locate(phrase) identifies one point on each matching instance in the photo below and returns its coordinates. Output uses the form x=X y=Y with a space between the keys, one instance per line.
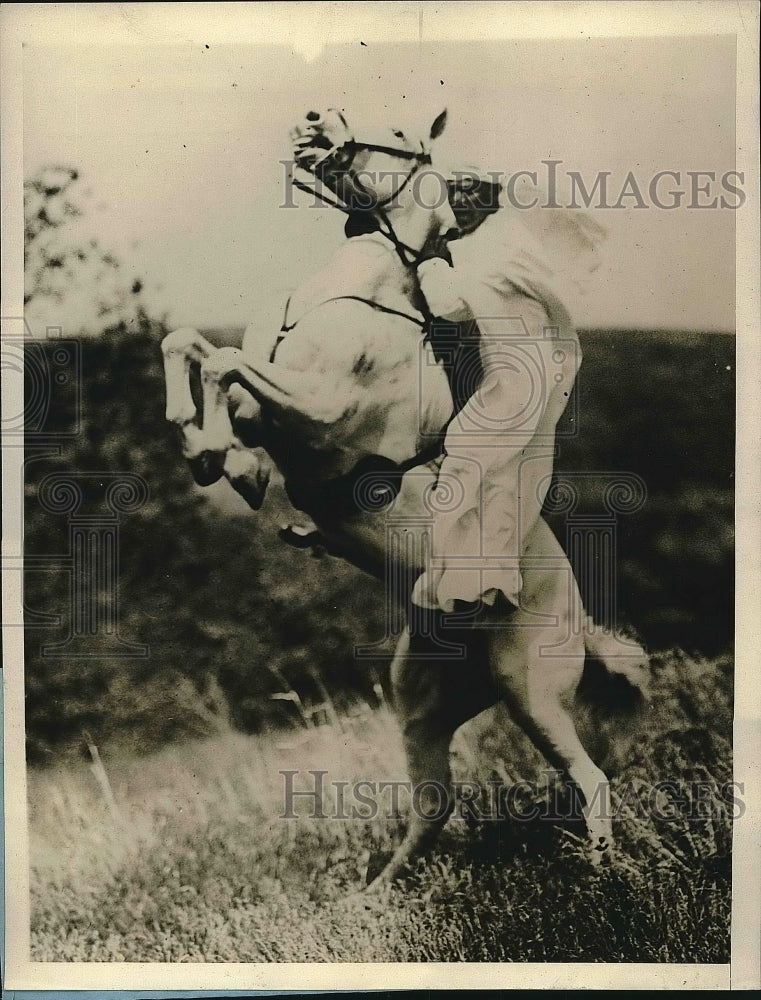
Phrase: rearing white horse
x=352 y=400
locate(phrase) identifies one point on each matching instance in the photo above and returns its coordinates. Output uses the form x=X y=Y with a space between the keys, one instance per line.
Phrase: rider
x=513 y=276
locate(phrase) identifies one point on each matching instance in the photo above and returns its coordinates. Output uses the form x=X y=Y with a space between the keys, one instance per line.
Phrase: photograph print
x=376 y=464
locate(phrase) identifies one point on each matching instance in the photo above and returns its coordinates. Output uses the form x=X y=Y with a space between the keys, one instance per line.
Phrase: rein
x=408 y=255
x=375 y=481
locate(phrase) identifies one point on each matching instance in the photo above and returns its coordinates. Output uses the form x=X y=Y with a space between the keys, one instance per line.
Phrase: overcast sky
x=180 y=145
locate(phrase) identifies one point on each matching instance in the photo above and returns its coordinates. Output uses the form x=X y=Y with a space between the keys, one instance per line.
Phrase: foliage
x=70 y=279
x=661 y=405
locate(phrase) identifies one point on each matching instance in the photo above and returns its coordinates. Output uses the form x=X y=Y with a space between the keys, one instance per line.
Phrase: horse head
x=371 y=170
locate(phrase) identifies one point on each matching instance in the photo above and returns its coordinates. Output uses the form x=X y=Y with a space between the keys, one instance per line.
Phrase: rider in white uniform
x=514 y=275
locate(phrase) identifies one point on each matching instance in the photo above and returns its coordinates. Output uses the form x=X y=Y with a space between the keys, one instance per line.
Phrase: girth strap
x=286 y=327
x=370 y=487
x=375 y=480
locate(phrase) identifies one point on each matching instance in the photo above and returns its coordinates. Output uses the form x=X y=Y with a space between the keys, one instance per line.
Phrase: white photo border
x=165 y=23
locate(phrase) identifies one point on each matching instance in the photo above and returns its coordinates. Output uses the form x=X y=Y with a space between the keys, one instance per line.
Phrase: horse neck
x=370 y=267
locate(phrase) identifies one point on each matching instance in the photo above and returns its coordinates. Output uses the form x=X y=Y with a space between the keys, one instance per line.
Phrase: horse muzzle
x=319 y=137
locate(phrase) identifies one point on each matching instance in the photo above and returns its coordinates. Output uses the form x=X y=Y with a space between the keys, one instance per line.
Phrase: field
x=184 y=855
x=156 y=784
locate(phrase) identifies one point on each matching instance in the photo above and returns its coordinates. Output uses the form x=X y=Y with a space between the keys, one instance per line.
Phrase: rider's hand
x=438 y=283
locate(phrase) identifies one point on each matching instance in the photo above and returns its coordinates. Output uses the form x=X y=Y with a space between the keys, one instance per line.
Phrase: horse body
x=374 y=362
x=352 y=384
x=388 y=397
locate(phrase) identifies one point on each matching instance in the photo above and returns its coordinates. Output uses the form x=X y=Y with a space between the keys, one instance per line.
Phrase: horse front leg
x=224 y=410
x=248 y=474
x=181 y=349
x=312 y=402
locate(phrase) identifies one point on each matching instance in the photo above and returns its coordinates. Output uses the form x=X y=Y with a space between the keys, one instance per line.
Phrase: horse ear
x=439 y=125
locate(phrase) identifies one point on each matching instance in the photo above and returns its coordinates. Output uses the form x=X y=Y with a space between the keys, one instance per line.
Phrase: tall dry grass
x=192 y=862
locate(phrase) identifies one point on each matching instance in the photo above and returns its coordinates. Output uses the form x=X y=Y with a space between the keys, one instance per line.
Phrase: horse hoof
x=206 y=468
x=601 y=852
x=252 y=493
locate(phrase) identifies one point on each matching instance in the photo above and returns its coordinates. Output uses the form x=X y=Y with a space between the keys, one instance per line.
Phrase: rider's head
x=473 y=196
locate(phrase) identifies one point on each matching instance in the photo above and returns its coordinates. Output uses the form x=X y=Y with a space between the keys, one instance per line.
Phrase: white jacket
x=501 y=445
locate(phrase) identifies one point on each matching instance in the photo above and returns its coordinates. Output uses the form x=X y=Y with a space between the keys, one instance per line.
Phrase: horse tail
x=612 y=696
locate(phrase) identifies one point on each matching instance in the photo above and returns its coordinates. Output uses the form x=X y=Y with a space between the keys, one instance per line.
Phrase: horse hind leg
x=431 y=701
x=611 y=698
x=536 y=690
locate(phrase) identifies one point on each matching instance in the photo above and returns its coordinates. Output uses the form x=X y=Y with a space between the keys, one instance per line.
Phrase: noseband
x=355 y=146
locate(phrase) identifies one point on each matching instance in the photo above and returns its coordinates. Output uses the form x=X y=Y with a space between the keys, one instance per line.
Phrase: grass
x=194 y=865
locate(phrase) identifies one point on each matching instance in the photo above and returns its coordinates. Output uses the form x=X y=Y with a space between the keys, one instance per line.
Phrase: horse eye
x=398 y=134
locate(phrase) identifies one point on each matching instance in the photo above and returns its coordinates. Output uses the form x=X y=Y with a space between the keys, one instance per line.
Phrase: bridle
x=340 y=159
x=355 y=146
x=376 y=480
